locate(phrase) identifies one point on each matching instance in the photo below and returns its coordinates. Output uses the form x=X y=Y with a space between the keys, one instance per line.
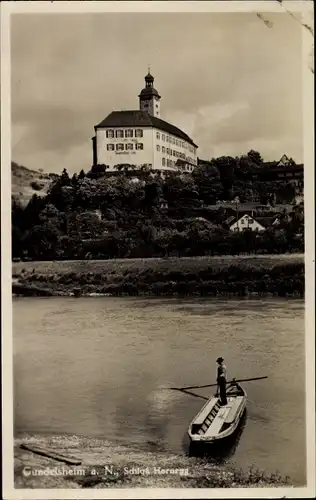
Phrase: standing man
x=221 y=380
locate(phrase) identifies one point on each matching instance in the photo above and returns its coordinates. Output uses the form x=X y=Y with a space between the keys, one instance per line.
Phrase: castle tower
x=149 y=99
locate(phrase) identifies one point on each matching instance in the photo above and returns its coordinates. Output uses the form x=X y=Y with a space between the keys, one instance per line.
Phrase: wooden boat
x=215 y=422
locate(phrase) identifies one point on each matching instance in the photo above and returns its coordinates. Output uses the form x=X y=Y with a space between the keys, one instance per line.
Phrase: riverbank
x=111 y=465
x=263 y=275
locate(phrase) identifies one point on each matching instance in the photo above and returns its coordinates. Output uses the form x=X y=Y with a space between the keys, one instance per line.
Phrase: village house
x=248 y=222
x=285 y=170
x=140 y=137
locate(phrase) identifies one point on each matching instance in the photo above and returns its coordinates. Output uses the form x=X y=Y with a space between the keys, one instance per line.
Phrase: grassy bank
x=126 y=467
x=279 y=275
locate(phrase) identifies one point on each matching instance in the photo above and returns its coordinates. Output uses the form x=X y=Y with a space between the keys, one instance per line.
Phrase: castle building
x=141 y=138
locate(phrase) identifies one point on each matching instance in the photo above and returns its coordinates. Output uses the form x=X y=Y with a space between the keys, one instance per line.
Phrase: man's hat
x=219 y=360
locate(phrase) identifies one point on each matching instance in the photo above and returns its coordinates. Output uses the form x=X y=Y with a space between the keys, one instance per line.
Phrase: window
x=250 y=221
x=119 y=147
x=158 y=147
x=163 y=162
x=119 y=133
x=139 y=133
x=129 y=146
x=158 y=135
x=163 y=137
x=174 y=153
x=242 y=221
x=163 y=149
x=167 y=138
x=110 y=134
x=110 y=147
x=139 y=145
x=128 y=133
x=168 y=162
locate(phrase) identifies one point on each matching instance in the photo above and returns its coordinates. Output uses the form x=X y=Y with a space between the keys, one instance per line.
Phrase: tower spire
x=149 y=97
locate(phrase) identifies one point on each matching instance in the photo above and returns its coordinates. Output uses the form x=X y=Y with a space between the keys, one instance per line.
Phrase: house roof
x=136 y=118
x=230 y=220
x=265 y=221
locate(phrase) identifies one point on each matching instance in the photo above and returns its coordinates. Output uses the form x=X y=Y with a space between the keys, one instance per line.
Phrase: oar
x=214 y=385
x=190 y=393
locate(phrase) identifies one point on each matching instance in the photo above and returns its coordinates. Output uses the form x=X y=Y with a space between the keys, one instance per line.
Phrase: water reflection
x=97 y=366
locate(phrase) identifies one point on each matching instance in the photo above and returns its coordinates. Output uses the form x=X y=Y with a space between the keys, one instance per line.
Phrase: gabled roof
x=285 y=160
x=136 y=118
x=263 y=221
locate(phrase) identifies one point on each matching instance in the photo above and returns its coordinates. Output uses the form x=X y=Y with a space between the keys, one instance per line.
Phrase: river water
x=96 y=366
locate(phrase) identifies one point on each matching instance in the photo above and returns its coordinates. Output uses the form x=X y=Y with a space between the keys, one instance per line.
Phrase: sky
x=229 y=80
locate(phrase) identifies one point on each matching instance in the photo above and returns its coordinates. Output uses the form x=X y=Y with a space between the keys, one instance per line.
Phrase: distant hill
x=26 y=182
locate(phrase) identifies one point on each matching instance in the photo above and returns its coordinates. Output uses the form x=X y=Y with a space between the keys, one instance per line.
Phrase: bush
x=36 y=185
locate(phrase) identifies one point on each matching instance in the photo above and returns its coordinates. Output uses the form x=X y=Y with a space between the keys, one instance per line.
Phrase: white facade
x=246 y=222
x=137 y=149
x=121 y=138
x=143 y=146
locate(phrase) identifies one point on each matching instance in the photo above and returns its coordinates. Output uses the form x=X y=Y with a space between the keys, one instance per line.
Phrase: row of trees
x=104 y=216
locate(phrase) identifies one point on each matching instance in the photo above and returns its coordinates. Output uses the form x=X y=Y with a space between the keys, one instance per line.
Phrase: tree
x=255 y=157
x=226 y=166
x=97 y=171
x=64 y=178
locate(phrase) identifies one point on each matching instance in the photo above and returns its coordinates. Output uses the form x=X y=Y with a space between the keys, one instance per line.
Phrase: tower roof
x=149 y=77
x=149 y=90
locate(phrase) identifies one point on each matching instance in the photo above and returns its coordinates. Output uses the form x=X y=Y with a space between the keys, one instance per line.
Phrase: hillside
x=26 y=182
